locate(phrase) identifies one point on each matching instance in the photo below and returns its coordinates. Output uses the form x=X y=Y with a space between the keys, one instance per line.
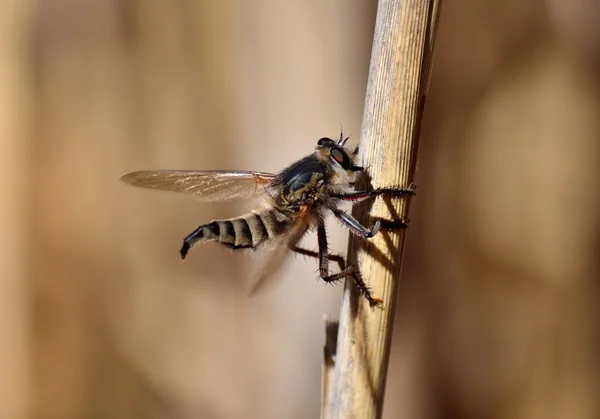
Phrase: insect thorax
x=301 y=183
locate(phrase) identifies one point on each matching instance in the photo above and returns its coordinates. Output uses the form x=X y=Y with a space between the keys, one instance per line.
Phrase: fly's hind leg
x=339 y=259
x=345 y=271
x=354 y=273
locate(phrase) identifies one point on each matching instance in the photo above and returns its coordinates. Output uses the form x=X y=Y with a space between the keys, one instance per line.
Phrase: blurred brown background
x=498 y=314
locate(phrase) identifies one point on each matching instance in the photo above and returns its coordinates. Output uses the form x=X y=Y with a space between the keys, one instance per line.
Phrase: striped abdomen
x=247 y=231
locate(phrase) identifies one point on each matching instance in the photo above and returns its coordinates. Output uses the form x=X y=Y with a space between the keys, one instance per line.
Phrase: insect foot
x=391 y=225
x=363 y=289
x=376 y=302
x=374 y=230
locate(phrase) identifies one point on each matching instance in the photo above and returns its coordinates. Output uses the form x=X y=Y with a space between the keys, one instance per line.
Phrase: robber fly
x=296 y=200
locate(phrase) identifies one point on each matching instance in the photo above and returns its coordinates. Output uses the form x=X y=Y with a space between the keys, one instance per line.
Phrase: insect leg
x=354 y=226
x=391 y=192
x=394 y=225
x=339 y=259
x=349 y=271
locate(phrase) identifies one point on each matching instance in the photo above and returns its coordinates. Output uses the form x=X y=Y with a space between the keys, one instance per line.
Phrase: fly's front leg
x=349 y=271
x=392 y=192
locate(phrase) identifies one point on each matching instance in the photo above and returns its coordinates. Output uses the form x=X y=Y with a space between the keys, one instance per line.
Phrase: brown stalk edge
x=401 y=61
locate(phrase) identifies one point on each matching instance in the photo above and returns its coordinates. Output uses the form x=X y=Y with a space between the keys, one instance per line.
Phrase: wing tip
x=129 y=178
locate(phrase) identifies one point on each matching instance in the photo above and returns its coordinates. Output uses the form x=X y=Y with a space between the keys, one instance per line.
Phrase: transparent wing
x=208 y=185
x=280 y=249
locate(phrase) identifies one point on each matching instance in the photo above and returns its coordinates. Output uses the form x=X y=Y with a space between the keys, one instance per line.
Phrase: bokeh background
x=498 y=310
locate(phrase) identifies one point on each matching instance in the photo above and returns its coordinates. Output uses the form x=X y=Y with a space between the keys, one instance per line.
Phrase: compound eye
x=337 y=155
x=341 y=158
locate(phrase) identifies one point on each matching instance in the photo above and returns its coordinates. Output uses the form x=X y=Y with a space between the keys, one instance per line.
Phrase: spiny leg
x=354 y=226
x=339 y=259
x=392 y=192
x=348 y=271
x=393 y=225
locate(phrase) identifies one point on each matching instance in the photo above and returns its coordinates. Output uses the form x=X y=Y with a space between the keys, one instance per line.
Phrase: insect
x=295 y=200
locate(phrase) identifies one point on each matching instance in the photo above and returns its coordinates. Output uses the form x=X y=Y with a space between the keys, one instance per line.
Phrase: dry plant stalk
x=331 y=330
x=398 y=81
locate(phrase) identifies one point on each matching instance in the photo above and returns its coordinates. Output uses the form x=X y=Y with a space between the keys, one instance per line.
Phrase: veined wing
x=208 y=185
x=280 y=249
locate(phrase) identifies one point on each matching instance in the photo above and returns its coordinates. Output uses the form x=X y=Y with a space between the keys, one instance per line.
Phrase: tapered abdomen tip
x=184 y=250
